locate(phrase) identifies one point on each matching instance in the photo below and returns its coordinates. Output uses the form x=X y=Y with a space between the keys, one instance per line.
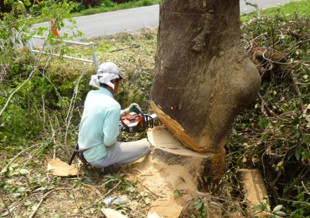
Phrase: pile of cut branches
x=273 y=134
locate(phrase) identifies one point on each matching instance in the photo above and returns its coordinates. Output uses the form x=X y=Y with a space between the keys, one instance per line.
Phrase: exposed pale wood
x=59 y=168
x=172 y=166
x=162 y=139
x=165 y=208
x=254 y=188
x=177 y=130
x=111 y=213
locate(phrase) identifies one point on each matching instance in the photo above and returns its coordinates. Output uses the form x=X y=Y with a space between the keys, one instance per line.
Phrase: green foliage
x=112 y=180
x=302 y=8
x=77 y=7
x=30 y=96
x=301 y=204
x=273 y=134
x=264 y=208
x=199 y=205
x=179 y=193
x=109 y=5
x=47 y=108
x=11 y=34
x=133 y=53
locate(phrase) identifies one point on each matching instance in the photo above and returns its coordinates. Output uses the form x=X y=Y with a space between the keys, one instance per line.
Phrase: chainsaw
x=137 y=121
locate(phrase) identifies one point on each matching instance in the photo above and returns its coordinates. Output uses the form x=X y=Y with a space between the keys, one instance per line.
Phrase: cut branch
x=42 y=199
x=16 y=90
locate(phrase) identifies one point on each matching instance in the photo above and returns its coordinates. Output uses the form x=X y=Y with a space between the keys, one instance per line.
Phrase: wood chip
x=59 y=168
x=165 y=208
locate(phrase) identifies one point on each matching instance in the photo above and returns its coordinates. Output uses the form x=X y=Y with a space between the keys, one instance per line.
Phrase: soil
x=165 y=183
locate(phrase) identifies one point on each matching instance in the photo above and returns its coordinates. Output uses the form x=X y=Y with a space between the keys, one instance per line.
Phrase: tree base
x=173 y=171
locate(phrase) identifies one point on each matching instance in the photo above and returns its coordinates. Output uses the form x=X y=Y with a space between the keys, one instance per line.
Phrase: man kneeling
x=100 y=127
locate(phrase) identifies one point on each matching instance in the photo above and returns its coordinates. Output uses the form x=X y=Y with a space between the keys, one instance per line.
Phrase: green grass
x=301 y=8
x=110 y=6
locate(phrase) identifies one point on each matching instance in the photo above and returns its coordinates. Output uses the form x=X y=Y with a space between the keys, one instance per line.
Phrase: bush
x=273 y=134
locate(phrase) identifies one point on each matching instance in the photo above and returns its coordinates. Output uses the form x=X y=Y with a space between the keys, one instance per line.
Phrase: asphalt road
x=133 y=19
x=137 y=18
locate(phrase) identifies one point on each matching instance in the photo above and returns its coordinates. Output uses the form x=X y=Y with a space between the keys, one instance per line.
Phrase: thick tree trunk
x=171 y=166
x=203 y=76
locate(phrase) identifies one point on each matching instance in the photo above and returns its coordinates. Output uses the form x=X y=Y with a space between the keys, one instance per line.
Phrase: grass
x=110 y=6
x=66 y=197
x=301 y=8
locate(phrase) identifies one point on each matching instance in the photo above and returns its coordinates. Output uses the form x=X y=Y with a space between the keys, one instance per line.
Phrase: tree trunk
x=203 y=76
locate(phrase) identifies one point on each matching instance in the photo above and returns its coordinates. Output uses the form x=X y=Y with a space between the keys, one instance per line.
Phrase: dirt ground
x=165 y=183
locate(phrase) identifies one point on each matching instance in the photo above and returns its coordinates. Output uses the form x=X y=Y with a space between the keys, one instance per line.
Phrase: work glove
x=134 y=107
x=120 y=126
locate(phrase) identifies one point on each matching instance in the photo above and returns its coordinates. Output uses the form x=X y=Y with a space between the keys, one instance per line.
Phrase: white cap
x=105 y=73
x=109 y=67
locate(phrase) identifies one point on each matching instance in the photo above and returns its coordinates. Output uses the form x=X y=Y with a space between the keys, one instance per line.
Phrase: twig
x=34 y=152
x=269 y=110
x=259 y=13
x=53 y=133
x=121 y=49
x=16 y=90
x=77 y=215
x=76 y=202
x=69 y=114
x=273 y=61
x=262 y=106
x=306 y=190
x=104 y=195
x=297 y=35
x=42 y=199
x=291 y=201
x=297 y=90
x=8 y=209
x=153 y=193
x=43 y=112
x=273 y=183
x=303 y=42
x=21 y=152
x=94 y=189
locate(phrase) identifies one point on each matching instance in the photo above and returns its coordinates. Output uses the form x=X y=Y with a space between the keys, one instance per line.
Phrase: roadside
x=108 y=6
x=133 y=19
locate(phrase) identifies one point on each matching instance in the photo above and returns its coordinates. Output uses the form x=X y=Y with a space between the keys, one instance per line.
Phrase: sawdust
x=159 y=207
x=163 y=181
x=169 y=169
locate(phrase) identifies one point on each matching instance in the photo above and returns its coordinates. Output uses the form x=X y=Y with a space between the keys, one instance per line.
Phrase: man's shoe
x=111 y=169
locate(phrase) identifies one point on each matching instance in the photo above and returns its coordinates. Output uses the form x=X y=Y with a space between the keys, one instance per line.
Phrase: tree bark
x=203 y=76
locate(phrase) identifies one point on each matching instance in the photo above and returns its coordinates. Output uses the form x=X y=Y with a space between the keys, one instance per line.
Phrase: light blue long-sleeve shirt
x=99 y=126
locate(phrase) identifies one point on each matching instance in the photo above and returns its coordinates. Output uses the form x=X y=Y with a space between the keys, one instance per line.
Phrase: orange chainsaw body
x=133 y=122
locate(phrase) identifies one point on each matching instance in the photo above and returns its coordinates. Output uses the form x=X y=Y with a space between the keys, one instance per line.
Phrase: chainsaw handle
x=137 y=109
